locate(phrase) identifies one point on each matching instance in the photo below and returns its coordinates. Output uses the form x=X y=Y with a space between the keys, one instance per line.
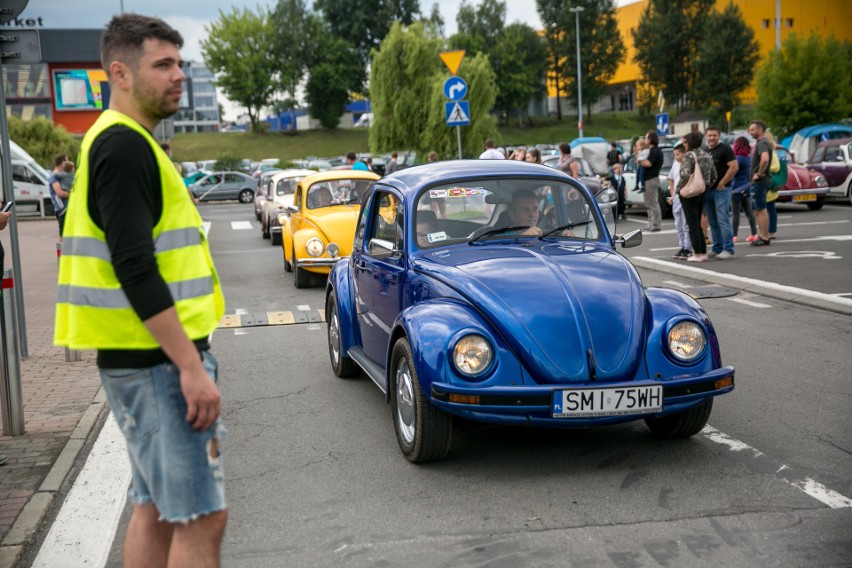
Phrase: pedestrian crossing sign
x=458 y=113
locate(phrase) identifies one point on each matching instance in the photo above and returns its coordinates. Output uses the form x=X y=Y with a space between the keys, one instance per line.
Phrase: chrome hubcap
x=405 y=412
x=334 y=338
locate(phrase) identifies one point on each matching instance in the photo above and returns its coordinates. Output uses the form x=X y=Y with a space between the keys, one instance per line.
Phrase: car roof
x=835 y=142
x=281 y=174
x=818 y=129
x=411 y=180
x=331 y=175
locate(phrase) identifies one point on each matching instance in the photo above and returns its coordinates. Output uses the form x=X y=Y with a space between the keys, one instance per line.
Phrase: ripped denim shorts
x=175 y=467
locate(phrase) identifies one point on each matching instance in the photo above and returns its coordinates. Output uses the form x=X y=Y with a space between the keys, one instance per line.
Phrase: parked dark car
x=803 y=185
x=833 y=160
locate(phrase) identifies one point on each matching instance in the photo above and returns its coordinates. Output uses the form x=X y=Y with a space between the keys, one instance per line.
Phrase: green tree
x=42 y=140
x=518 y=59
x=366 y=23
x=809 y=81
x=434 y=24
x=334 y=74
x=482 y=93
x=727 y=57
x=292 y=43
x=479 y=27
x=666 y=42
x=238 y=50
x=553 y=20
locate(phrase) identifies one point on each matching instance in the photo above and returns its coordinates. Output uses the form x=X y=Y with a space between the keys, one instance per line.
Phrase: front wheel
x=683 y=424
x=246 y=196
x=424 y=432
x=276 y=238
x=302 y=276
x=816 y=205
x=343 y=366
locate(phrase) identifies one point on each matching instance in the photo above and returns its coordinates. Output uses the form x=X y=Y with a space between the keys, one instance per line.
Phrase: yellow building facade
x=826 y=17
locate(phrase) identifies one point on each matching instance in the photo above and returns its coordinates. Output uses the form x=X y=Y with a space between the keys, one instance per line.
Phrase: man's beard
x=155 y=106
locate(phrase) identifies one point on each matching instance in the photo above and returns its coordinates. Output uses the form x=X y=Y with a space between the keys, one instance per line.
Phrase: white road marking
x=749 y=303
x=821 y=254
x=240 y=312
x=704 y=273
x=241 y=225
x=84 y=529
x=807 y=485
x=843 y=294
x=840 y=238
x=303 y=308
x=240 y=332
x=676 y=283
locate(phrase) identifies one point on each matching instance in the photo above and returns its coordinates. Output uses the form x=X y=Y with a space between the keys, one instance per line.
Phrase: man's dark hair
x=759 y=123
x=394 y=155
x=351 y=156
x=693 y=139
x=124 y=35
x=489 y=143
x=714 y=128
x=653 y=138
x=679 y=147
x=565 y=148
x=523 y=193
x=59 y=159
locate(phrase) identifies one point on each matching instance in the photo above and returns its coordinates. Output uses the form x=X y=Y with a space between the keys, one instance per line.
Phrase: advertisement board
x=78 y=89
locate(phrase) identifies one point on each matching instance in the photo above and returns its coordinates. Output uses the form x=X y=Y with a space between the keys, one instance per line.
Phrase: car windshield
x=491 y=209
x=336 y=192
x=286 y=186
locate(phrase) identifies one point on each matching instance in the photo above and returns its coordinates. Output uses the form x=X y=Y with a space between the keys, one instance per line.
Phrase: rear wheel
x=424 y=432
x=246 y=196
x=683 y=424
x=343 y=366
x=47 y=205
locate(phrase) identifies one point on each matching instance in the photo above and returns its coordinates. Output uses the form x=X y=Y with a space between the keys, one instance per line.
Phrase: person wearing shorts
x=137 y=283
x=761 y=181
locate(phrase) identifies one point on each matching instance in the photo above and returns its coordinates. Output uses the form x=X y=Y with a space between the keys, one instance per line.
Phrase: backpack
x=779 y=178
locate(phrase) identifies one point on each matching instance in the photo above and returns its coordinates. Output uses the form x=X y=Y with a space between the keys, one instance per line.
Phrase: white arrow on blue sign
x=455 y=88
x=663 y=124
x=458 y=113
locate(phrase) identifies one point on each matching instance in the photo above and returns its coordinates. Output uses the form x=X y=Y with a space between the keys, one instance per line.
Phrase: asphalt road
x=315 y=477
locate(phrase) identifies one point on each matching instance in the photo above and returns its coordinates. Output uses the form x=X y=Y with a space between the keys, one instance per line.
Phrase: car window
x=832 y=153
x=783 y=154
x=210 y=180
x=475 y=211
x=358 y=241
x=286 y=186
x=232 y=178
x=20 y=173
x=320 y=195
x=387 y=219
x=819 y=154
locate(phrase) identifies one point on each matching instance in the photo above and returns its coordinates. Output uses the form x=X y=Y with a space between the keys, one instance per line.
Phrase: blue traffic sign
x=458 y=113
x=663 y=124
x=455 y=88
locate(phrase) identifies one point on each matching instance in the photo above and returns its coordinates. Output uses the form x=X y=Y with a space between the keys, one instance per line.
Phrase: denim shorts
x=758 y=192
x=170 y=462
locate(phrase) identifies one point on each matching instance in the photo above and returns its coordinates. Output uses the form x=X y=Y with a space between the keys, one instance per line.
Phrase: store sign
x=78 y=89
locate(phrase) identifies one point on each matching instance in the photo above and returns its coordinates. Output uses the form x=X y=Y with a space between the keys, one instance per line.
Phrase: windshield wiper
x=563 y=228
x=497 y=231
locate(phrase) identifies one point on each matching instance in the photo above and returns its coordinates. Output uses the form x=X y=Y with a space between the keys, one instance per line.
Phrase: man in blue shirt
x=356 y=164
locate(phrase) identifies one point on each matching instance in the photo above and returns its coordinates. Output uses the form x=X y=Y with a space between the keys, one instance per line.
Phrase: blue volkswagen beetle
x=493 y=291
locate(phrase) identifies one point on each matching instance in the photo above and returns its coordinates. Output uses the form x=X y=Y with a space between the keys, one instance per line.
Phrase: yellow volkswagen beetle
x=320 y=225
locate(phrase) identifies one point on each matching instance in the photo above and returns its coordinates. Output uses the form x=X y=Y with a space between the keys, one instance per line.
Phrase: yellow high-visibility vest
x=92 y=311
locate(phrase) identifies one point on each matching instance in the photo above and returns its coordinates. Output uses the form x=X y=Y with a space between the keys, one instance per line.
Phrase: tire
x=276 y=239
x=246 y=196
x=264 y=230
x=343 y=366
x=287 y=266
x=424 y=432
x=49 y=211
x=302 y=276
x=816 y=205
x=683 y=424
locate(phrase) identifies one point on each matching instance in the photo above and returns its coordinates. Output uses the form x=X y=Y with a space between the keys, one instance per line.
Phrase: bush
x=42 y=140
x=228 y=164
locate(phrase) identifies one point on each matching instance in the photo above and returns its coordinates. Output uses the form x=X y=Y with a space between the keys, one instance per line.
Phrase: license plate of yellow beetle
x=607 y=401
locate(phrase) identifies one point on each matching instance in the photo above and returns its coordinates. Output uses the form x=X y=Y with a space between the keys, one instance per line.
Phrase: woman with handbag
x=696 y=174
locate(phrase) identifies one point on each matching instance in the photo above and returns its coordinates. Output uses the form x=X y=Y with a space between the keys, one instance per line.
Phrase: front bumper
x=319 y=262
x=532 y=405
x=790 y=194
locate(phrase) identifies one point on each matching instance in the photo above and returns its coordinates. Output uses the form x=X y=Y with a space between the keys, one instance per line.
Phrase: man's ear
x=120 y=74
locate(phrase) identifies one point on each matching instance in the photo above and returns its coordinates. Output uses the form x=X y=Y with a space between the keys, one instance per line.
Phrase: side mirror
x=631 y=239
x=381 y=248
x=292 y=209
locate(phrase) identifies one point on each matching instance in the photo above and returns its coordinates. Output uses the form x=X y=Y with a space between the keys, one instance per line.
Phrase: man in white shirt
x=490 y=152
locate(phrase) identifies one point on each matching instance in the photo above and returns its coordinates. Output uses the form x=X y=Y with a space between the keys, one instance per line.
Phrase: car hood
x=569 y=311
x=337 y=224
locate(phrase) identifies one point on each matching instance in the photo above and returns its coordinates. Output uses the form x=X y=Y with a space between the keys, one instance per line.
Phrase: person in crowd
x=642 y=151
x=717 y=204
x=58 y=195
x=534 y=156
x=614 y=156
x=772 y=195
x=567 y=162
x=393 y=165
x=352 y=160
x=695 y=157
x=490 y=152
x=760 y=180
x=620 y=186
x=654 y=164
x=740 y=196
x=432 y=157
x=151 y=331
x=520 y=154
x=681 y=226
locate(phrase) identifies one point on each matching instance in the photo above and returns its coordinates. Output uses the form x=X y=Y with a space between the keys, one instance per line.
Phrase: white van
x=32 y=194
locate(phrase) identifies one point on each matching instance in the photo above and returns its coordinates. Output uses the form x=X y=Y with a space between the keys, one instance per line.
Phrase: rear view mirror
x=631 y=239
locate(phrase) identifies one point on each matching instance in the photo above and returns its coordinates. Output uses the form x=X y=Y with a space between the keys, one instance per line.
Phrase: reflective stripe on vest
x=116 y=298
x=166 y=241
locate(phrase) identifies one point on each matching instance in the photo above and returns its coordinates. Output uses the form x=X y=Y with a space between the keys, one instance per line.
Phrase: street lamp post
x=577 y=10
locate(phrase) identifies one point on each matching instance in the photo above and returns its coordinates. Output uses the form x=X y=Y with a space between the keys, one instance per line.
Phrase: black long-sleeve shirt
x=126 y=202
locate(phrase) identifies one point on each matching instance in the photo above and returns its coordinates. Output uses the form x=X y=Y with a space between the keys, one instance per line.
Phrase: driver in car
x=322 y=197
x=524 y=211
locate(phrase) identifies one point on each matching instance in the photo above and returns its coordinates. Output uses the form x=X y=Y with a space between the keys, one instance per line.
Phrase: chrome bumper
x=316 y=262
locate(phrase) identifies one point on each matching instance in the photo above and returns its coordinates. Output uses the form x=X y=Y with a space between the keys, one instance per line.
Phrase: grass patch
x=325 y=143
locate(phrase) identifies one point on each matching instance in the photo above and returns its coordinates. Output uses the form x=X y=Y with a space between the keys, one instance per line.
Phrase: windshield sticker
x=465 y=191
x=437 y=193
x=436 y=237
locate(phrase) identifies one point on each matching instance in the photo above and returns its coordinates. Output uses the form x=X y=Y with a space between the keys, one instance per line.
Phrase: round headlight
x=332 y=249
x=314 y=247
x=687 y=340
x=820 y=181
x=282 y=218
x=472 y=355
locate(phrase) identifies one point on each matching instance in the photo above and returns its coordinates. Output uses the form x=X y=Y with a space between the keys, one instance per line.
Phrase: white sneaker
x=724 y=255
x=711 y=254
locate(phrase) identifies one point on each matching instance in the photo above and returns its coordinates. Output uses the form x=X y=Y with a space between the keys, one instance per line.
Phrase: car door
x=378 y=274
x=231 y=186
x=835 y=169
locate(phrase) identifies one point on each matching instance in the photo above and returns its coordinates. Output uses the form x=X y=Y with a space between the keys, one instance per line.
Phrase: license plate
x=608 y=401
x=810 y=197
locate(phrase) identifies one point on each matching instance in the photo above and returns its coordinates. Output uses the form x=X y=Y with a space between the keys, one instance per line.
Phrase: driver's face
x=524 y=211
x=323 y=198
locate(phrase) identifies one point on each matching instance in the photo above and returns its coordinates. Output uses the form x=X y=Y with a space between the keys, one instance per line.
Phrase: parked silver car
x=225 y=185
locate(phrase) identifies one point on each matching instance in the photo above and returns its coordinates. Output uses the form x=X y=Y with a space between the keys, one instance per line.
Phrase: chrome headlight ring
x=314 y=247
x=472 y=355
x=686 y=341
